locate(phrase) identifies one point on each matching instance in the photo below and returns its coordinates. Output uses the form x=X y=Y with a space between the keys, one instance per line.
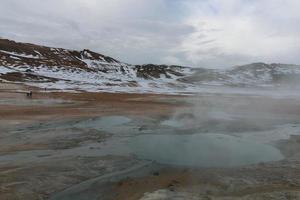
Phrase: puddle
x=202 y=150
x=173 y=123
x=32 y=102
x=103 y=123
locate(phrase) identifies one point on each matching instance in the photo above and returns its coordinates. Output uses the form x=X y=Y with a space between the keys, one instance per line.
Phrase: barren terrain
x=59 y=145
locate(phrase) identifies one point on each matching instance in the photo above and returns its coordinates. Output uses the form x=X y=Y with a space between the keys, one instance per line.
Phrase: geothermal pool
x=203 y=150
x=191 y=149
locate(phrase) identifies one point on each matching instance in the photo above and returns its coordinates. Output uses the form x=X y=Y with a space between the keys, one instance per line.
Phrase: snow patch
x=20 y=55
x=5 y=70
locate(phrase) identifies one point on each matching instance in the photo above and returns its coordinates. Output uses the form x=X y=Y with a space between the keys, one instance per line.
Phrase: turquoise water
x=203 y=150
x=103 y=123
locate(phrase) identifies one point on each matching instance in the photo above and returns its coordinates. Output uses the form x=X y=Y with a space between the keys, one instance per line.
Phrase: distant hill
x=63 y=69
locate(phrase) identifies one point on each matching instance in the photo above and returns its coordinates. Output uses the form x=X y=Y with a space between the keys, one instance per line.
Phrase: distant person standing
x=29 y=94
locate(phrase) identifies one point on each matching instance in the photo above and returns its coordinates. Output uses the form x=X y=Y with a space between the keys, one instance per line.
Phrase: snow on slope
x=115 y=81
x=17 y=56
x=117 y=77
x=252 y=75
x=85 y=70
x=5 y=70
x=62 y=69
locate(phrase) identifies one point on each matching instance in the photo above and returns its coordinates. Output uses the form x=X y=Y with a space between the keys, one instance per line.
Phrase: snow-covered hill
x=252 y=75
x=62 y=69
x=55 y=68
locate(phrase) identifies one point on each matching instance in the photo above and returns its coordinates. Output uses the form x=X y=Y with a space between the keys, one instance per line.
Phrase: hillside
x=70 y=70
x=56 y=68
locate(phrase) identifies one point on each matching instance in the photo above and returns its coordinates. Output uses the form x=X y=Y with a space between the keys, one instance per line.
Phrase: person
x=29 y=94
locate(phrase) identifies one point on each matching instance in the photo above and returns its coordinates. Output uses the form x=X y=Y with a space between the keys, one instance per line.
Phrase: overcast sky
x=198 y=33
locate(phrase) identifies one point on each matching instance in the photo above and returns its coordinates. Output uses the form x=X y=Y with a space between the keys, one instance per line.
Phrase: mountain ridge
x=34 y=64
x=65 y=69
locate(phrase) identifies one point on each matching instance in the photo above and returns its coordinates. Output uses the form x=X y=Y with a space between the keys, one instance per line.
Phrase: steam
x=223 y=130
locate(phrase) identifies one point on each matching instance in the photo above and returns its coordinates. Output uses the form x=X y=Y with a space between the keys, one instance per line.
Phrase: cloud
x=242 y=31
x=207 y=33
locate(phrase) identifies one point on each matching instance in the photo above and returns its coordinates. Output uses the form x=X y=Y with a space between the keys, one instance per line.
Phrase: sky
x=195 y=33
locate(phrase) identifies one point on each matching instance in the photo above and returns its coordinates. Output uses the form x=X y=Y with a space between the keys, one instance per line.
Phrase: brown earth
x=19 y=181
x=39 y=179
x=85 y=104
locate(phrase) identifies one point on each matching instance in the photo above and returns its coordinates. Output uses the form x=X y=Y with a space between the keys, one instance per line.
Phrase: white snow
x=5 y=70
x=114 y=80
x=20 y=55
x=121 y=77
x=16 y=58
